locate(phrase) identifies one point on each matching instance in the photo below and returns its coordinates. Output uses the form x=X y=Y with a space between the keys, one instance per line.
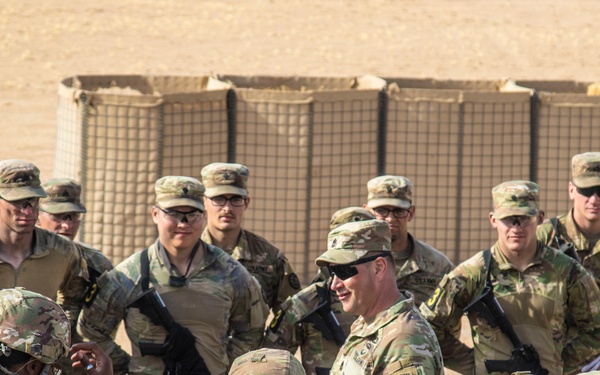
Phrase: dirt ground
x=44 y=41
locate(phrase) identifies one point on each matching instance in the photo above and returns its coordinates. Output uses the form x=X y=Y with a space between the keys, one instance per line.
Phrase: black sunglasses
x=346 y=271
x=588 y=192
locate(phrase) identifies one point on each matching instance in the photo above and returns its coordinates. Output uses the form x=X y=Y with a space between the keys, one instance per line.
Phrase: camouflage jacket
x=536 y=302
x=399 y=341
x=220 y=303
x=267 y=263
x=568 y=231
x=285 y=331
x=422 y=272
x=55 y=269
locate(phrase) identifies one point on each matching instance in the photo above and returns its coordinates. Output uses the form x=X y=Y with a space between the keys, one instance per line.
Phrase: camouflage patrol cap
x=388 y=190
x=352 y=241
x=34 y=324
x=225 y=178
x=173 y=191
x=63 y=196
x=516 y=198
x=586 y=169
x=19 y=179
x=267 y=361
x=348 y=215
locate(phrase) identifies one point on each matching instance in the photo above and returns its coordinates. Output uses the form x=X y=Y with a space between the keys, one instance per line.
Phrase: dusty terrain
x=41 y=42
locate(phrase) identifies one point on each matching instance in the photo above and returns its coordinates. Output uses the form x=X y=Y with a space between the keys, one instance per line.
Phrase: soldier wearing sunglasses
x=61 y=212
x=209 y=294
x=419 y=266
x=581 y=225
x=226 y=201
x=536 y=286
x=390 y=335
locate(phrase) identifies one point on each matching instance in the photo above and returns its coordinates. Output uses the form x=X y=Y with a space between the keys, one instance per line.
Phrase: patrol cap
x=62 y=196
x=33 y=324
x=19 y=179
x=586 y=169
x=348 y=215
x=516 y=198
x=225 y=178
x=388 y=190
x=173 y=191
x=267 y=361
x=352 y=241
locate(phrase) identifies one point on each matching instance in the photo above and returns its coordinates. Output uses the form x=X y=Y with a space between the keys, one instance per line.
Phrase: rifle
x=566 y=247
x=523 y=357
x=324 y=319
x=179 y=349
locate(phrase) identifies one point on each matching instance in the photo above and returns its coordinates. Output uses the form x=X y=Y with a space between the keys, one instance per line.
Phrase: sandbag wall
x=311 y=144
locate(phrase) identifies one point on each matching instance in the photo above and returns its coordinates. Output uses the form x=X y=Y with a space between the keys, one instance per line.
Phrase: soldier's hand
x=89 y=356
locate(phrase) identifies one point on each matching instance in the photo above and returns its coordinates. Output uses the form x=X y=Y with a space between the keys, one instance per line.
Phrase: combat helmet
x=33 y=324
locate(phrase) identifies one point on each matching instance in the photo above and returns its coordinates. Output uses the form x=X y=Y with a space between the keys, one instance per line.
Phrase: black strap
x=145 y=265
x=487 y=259
x=554 y=222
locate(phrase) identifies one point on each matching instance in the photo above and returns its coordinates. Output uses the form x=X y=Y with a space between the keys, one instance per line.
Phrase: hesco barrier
x=312 y=143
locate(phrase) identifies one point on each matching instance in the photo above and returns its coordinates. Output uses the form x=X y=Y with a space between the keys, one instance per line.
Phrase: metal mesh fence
x=311 y=144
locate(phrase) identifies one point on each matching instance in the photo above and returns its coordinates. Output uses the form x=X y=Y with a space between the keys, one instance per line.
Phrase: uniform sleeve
x=74 y=285
x=444 y=311
x=99 y=322
x=247 y=320
x=584 y=306
x=288 y=282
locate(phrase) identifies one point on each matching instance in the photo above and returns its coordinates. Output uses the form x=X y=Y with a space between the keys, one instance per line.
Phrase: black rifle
x=523 y=357
x=179 y=348
x=324 y=319
x=566 y=247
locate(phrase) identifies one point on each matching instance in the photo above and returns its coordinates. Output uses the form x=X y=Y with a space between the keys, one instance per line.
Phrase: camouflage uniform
x=220 y=302
x=34 y=324
x=286 y=331
x=424 y=269
x=398 y=340
x=536 y=301
x=267 y=362
x=264 y=261
x=586 y=173
x=55 y=267
x=63 y=196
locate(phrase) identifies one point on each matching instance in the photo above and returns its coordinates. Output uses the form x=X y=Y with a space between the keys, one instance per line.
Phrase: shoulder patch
x=432 y=301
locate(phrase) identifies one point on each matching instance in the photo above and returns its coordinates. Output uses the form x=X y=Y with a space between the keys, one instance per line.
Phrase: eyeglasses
x=236 y=201
x=346 y=271
x=588 y=192
x=22 y=204
x=399 y=213
x=62 y=218
x=521 y=220
x=175 y=216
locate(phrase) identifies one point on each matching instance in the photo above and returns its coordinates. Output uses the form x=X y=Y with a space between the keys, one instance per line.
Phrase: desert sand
x=43 y=41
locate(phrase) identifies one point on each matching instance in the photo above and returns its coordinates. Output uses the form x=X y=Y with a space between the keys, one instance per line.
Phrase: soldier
x=390 y=335
x=60 y=212
x=209 y=298
x=292 y=326
x=536 y=287
x=267 y=362
x=226 y=200
x=419 y=267
x=581 y=225
x=34 y=258
x=35 y=334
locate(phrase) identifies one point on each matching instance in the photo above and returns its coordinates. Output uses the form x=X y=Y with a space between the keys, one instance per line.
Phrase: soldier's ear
x=540 y=217
x=154 y=214
x=493 y=220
